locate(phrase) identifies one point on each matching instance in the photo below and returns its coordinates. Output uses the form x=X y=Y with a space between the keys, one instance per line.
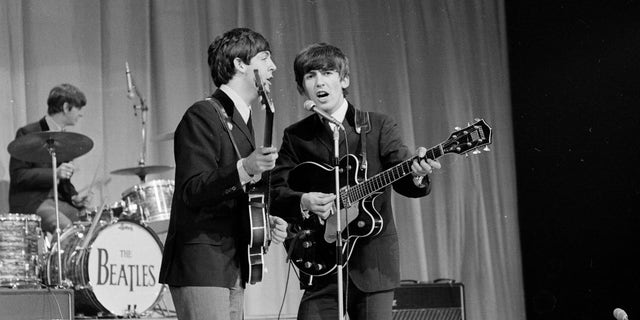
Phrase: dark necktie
x=250 y=125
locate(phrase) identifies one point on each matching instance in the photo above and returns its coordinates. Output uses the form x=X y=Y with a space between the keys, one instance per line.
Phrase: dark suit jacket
x=373 y=265
x=206 y=241
x=31 y=182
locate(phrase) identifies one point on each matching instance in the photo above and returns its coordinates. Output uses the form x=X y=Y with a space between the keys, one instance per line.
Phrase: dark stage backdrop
x=432 y=65
x=574 y=68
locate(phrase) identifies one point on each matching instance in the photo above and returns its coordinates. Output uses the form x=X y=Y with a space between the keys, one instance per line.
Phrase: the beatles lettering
x=131 y=275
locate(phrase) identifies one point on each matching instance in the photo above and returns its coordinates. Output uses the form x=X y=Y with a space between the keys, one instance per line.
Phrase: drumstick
x=92 y=184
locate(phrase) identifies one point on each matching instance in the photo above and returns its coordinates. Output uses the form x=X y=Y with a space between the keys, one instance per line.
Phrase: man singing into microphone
x=322 y=76
x=205 y=255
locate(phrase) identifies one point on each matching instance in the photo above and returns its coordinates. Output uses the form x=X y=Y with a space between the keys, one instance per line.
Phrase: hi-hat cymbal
x=164 y=137
x=141 y=171
x=36 y=146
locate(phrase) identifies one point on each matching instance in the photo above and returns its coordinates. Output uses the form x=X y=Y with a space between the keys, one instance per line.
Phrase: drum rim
x=151 y=183
x=11 y=216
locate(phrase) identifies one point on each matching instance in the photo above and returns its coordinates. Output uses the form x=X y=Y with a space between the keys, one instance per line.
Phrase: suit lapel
x=235 y=117
x=325 y=136
x=43 y=124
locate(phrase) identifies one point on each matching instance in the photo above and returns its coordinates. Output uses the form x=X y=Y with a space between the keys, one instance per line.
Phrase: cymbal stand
x=54 y=165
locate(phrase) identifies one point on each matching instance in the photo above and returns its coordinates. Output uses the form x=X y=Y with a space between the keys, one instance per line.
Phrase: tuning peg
x=476 y=119
x=476 y=151
x=486 y=148
x=457 y=128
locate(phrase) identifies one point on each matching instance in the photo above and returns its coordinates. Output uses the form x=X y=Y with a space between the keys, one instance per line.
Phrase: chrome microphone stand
x=144 y=109
x=339 y=242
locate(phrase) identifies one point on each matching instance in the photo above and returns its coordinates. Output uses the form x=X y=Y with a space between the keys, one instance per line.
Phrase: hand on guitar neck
x=422 y=165
x=260 y=160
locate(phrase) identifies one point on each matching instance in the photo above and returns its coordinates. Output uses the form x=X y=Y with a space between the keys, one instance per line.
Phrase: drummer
x=31 y=187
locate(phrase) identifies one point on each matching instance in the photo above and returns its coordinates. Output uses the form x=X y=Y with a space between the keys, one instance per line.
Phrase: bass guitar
x=260 y=232
x=312 y=249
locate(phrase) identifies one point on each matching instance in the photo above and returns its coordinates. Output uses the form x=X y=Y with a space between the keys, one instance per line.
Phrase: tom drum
x=21 y=244
x=150 y=200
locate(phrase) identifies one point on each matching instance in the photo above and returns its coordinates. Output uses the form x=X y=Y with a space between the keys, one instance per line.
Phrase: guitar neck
x=268 y=129
x=389 y=176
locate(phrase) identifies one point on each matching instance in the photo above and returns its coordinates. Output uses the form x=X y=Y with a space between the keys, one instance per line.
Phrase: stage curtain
x=432 y=65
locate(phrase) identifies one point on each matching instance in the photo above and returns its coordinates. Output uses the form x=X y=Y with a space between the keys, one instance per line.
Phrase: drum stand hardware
x=54 y=166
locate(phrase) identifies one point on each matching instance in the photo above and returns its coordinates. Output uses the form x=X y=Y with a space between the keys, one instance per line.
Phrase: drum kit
x=111 y=257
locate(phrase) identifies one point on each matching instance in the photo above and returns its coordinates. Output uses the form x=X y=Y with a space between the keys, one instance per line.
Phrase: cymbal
x=164 y=137
x=142 y=171
x=34 y=147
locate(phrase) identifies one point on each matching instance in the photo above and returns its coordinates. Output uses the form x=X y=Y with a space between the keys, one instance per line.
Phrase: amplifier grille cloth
x=428 y=314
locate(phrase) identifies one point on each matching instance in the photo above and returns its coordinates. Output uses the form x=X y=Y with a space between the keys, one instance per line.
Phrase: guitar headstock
x=265 y=98
x=470 y=138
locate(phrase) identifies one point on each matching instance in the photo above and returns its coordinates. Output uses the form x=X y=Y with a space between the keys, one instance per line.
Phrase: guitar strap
x=226 y=123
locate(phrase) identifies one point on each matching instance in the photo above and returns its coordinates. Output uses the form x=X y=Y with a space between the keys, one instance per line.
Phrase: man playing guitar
x=205 y=255
x=322 y=75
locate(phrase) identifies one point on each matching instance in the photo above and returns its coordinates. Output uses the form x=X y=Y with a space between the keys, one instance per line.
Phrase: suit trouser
x=208 y=303
x=47 y=212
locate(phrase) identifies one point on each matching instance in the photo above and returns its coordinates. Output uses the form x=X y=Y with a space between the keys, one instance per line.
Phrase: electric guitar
x=260 y=231
x=312 y=249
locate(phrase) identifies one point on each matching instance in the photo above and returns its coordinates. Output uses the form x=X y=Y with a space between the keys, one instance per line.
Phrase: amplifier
x=29 y=304
x=429 y=301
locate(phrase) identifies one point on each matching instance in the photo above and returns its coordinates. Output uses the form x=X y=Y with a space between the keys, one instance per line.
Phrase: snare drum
x=113 y=271
x=21 y=244
x=150 y=201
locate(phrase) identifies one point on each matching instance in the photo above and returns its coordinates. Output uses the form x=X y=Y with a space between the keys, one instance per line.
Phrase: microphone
x=130 y=88
x=619 y=314
x=311 y=106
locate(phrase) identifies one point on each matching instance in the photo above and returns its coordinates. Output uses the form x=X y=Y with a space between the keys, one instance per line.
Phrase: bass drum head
x=124 y=265
x=118 y=271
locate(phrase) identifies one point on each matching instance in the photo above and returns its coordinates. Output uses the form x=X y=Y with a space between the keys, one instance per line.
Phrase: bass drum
x=113 y=271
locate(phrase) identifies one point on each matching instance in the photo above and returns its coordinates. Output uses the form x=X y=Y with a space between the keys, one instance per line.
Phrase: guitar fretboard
x=387 y=177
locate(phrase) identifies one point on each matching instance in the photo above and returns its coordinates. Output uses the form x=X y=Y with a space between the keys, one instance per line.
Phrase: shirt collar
x=52 y=124
x=341 y=113
x=240 y=104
